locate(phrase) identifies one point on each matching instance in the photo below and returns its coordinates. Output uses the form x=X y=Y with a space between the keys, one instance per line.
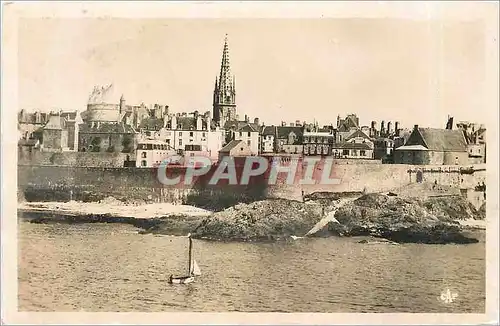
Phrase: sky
x=414 y=72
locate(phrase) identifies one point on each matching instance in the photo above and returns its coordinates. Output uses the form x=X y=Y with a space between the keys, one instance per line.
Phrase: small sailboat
x=193 y=268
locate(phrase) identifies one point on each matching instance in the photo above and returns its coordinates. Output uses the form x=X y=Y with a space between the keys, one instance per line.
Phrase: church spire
x=224 y=93
x=225 y=79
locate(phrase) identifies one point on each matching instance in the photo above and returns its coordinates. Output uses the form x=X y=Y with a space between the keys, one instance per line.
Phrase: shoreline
x=170 y=219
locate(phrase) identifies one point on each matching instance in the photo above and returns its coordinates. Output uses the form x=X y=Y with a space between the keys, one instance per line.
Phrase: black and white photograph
x=250 y=159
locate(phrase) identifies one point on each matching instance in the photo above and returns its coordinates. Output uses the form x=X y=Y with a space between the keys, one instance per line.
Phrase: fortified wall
x=64 y=176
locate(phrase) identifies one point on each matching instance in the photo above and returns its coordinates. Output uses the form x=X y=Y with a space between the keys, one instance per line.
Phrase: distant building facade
x=235 y=148
x=318 y=141
x=151 y=153
x=433 y=146
x=357 y=145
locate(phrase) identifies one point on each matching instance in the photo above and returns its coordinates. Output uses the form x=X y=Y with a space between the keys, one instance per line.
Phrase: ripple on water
x=81 y=267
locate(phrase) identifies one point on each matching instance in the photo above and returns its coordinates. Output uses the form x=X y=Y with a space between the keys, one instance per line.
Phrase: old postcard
x=250 y=163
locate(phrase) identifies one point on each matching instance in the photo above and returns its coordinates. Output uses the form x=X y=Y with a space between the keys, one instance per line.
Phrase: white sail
x=195 y=269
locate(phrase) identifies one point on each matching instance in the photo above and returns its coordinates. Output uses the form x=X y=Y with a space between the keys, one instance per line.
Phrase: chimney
x=237 y=117
x=199 y=123
x=396 y=128
x=382 y=128
x=292 y=124
x=283 y=123
x=247 y=119
x=389 y=127
x=415 y=127
x=256 y=121
x=297 y=123
x=449 y=124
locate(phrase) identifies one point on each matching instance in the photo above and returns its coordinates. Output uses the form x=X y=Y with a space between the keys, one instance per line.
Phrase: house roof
x=237 y=125
x=56 y=122
x=232 y=144
x=189 y=123
x=284 y=131
x=348 y=123
x=107 y=128
x=247 y=128
x=442 y=140
x=411 y=148
x=151 y=123
x=357 y=133
x=267 y=130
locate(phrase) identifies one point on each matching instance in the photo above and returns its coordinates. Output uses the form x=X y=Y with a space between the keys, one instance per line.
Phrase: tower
x=224 y=101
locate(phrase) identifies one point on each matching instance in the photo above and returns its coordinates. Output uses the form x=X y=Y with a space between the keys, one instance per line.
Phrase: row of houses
x=160 y=134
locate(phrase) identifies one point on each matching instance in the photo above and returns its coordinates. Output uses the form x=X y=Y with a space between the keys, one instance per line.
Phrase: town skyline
x=187 y=84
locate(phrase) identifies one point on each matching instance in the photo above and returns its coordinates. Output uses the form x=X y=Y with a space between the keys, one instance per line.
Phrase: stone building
x=475 y=135
x=151 y=153
x=236 y=148
x=318 y=141
x=357 y=145
x=73 y=122
x=244 y=130
x=185 y=133
x=346 y=127
x=55 y=133
x=289 y=139
x=224 y=97
x=434 y=147
x=267 y=139
x=107 y=137
x=29 y=122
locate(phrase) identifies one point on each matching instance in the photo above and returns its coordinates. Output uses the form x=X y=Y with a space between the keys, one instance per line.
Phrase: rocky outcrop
x=260 y=221
x=433 y=220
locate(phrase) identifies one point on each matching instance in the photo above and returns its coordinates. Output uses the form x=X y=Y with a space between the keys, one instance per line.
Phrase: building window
x=249 y=134
x=191 y=134
x=345 y=152
x=248 y=142
x=362 y=153
x=180 y=142
x=143 y=154
x=144 y=163
x=203 y=134
x=241 y=134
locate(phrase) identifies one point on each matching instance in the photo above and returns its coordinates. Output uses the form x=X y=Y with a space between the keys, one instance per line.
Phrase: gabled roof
x=232 y=144
x=411 y=148
x=267 y=131
x=56 y=122
x=236 y=125
x=189 y=123
x=441 y=140
x=247 y=128
x=357 y=133
x=150 y=123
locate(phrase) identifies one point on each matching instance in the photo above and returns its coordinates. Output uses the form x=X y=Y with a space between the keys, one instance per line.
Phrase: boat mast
x=189 y=261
